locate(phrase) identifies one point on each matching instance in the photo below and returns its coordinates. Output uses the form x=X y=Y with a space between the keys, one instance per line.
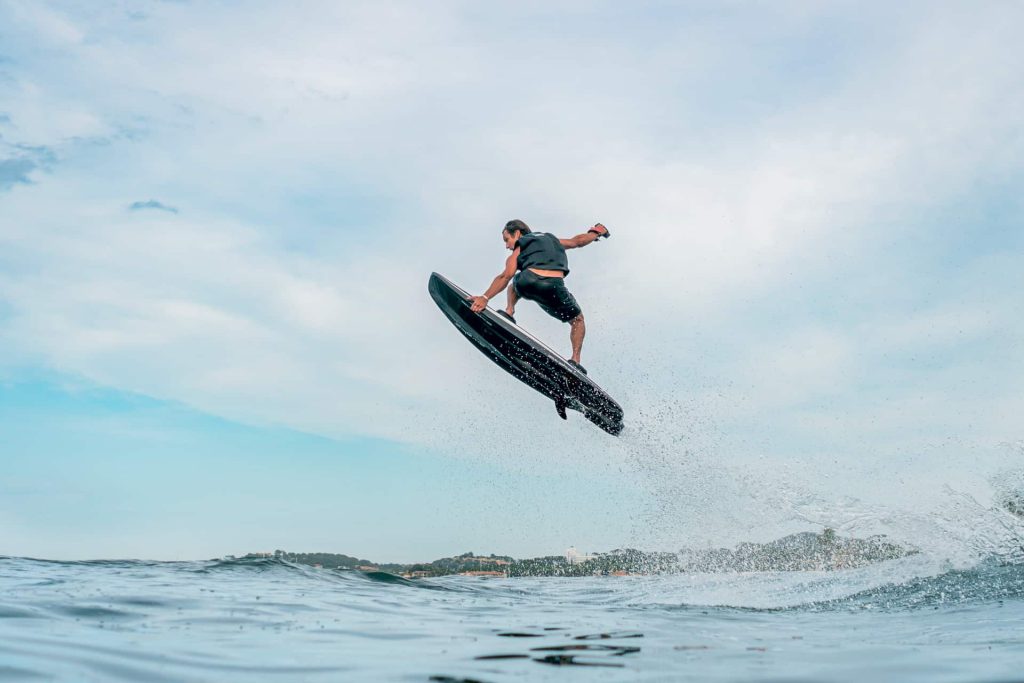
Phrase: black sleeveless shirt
x=543 y=251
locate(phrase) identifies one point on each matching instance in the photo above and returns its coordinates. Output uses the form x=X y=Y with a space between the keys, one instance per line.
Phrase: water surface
x=266 y=620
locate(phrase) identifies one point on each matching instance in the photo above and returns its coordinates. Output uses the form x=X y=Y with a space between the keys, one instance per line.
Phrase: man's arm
x=583 y=239
x=499 y=284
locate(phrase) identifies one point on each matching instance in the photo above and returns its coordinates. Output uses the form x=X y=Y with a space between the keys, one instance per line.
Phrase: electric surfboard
x=526 y=358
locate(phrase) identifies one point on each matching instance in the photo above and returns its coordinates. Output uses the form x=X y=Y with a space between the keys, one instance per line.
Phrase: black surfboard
x=526 y=358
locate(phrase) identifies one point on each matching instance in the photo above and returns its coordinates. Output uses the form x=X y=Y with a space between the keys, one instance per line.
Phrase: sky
x=217 y=221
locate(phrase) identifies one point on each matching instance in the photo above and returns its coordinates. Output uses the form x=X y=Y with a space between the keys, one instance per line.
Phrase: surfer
x=537 y=269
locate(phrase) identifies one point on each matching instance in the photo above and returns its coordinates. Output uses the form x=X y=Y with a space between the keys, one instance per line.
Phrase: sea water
x=911 y=619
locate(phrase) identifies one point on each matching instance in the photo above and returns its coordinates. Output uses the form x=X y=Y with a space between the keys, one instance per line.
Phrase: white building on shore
x=573 y=556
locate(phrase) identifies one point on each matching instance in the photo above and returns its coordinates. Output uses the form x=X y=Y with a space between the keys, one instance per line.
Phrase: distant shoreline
x=806 y=551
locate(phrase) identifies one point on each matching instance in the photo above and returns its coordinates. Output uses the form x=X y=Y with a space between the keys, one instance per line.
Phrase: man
x=537 y=269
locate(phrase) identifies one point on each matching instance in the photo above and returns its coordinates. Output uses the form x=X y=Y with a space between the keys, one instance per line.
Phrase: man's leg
x=577 y=330
x=513 y=298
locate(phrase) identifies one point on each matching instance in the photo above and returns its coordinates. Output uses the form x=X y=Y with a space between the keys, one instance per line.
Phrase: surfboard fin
x=560 y=407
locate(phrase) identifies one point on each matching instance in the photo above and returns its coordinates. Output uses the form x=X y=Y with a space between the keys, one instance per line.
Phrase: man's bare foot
x=576 y=364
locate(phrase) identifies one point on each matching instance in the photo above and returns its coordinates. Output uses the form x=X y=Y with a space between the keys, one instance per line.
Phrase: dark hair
x=516 y=224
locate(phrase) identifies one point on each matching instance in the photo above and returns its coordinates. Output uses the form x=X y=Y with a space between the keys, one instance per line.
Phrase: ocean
x=909 y=619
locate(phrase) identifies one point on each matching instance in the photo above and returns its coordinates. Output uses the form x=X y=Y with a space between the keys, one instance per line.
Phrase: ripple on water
x=94 y=612
x=12 y=612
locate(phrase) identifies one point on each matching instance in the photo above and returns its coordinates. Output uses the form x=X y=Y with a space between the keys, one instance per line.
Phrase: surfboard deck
x=526 y=358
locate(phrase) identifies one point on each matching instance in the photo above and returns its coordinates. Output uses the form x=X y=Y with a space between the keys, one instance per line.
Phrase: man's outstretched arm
x=499 y=284
x=583 y=239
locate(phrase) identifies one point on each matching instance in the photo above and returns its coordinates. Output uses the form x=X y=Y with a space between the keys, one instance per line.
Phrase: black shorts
x=549 y=292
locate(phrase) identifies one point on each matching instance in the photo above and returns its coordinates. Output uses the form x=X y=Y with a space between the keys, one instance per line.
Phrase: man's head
x=512 y=231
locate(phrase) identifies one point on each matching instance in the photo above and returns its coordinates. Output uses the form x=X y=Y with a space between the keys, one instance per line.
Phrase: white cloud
x=45 y=24
x=263 y=125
